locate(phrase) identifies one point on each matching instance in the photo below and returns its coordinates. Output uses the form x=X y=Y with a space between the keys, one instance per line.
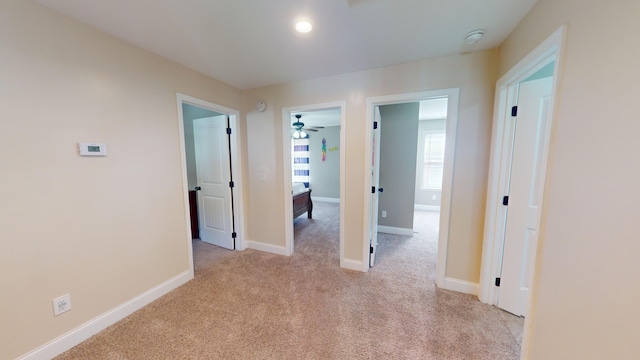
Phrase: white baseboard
x=353 y=265
x=395 y=230
x=325 y=199
x=426 y=207
x=461 y=286
x=274 y=249
x=74 y=337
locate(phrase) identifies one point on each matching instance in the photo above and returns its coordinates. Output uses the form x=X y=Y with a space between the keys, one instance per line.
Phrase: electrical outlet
x=61 y=304
x=384 y=214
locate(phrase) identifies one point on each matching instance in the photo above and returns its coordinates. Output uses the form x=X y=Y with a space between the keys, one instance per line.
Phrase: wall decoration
x=324 y=149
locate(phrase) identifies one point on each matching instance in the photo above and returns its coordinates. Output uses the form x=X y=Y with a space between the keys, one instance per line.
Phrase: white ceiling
x=250 y=44
x=324 y=117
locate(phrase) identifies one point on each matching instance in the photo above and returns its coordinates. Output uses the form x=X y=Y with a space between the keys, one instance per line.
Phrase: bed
x=301 y=200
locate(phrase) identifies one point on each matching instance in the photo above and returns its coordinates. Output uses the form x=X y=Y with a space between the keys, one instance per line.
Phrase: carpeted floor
x=255 y=305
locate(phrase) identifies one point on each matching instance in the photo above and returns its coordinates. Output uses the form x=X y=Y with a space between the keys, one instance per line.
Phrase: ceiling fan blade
x=309 y=129
x=315 y=127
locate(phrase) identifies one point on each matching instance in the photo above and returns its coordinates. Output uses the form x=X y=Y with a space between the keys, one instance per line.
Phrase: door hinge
x=498 y=282
x=514 y=111
x=233 y=235
x=505 y=200
x=373 y=189
x=231 y=184
x=228 y=131
x=371 y=249
x=375 y=125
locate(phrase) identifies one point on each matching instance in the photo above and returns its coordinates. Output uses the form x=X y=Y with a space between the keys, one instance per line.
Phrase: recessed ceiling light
x=303 y=26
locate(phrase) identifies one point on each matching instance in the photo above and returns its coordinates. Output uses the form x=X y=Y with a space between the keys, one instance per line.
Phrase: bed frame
x=302 y=203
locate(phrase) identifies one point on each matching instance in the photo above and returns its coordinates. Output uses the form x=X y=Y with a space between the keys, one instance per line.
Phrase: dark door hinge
x=498 y=282
x=371 y=249
x=514 y=111
x=231 y=184
x=229 y=131
x=375 y=125
x=505 y=200
x=373 y=189
x=233 y=235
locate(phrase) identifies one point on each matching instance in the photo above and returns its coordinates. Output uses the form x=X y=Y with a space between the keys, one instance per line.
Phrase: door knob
x=198 y=188
x=380 y=189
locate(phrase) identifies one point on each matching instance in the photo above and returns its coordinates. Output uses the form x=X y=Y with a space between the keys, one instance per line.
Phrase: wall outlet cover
x=61 y=304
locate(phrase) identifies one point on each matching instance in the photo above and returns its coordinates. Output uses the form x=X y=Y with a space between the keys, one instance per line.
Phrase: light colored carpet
x=254 y=305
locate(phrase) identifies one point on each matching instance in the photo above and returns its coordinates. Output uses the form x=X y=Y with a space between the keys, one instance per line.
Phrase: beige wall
x=106 y=229
x=474 y=74
x=585 y=304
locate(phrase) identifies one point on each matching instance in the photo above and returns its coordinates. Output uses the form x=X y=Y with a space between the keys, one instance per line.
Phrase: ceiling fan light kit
x=298 y=132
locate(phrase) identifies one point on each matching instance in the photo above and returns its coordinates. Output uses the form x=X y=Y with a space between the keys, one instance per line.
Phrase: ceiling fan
x=298 y=132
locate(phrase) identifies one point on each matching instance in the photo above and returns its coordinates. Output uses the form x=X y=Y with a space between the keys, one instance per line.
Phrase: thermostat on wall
x=92 y=149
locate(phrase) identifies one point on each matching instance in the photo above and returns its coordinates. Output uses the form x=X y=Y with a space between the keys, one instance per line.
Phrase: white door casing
x=525 y=195
x=213 y=174
x=375 y=183
x=550 y=50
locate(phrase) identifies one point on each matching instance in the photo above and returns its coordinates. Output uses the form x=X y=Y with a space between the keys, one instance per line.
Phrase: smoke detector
x=474 y=36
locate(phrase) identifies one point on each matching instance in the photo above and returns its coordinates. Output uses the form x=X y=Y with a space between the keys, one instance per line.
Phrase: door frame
x=236 y=168
x=453 y=96
x=288 y=182
x=549 y=50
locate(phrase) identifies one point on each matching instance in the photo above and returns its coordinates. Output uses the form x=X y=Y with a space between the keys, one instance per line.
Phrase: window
x=300 y=160
x=433 y=161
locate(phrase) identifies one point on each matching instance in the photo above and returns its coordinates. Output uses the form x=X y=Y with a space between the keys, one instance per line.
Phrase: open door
x=214 y=181
x=525 y=194
x=375 y=178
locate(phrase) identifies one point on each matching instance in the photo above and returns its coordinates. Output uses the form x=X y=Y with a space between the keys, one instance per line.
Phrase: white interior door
x=375 y=178
x=525 y=195
x=213 y=174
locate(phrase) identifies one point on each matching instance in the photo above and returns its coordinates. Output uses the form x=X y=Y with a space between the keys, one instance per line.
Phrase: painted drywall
x=103 y=229
x=427 y=196
x=190 y=113
x=398 y=143
x=325 y=175
x=474 y=74
x=585 y=298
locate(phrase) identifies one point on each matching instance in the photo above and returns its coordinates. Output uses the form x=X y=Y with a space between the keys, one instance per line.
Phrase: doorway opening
x=411 y=142
x=210 y=162
x=375 y=185
x=313 y=159
x=522 y=128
